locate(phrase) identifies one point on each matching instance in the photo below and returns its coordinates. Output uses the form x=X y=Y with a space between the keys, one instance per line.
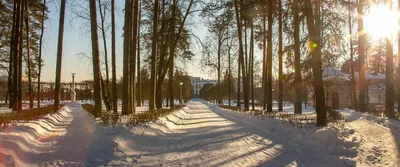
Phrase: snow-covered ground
x=379 y=136
x=5 y=110
x=201 y=134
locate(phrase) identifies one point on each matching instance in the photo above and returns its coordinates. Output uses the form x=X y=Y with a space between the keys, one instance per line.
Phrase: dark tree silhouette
x=59 y=57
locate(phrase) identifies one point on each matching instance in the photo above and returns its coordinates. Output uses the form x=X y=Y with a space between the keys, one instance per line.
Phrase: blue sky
x=77 y=41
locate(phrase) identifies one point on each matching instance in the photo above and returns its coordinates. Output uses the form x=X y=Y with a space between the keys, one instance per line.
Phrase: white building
x=198 y=83
x=338 y=89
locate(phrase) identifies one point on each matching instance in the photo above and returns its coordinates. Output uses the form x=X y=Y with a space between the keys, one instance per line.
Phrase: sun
x=381 y=22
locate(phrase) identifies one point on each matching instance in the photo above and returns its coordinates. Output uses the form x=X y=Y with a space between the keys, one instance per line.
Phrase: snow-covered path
x=198 y=135
x=73 y=146
x=204 y=135
x=59 y=139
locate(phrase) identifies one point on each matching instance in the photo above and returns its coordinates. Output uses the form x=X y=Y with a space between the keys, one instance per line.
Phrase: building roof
x=371 y=77
x=330 y=71
x=333 y=75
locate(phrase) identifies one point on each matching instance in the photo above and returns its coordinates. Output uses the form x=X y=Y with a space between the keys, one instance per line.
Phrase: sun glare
x=381 y=22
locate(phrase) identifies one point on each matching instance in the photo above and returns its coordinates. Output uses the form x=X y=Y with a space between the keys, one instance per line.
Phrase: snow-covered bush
x=299 y=120
x=333 y=115
x=26 y=115
x=108 y=118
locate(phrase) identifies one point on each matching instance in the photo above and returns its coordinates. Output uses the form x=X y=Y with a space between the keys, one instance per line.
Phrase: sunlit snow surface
x=201 y=134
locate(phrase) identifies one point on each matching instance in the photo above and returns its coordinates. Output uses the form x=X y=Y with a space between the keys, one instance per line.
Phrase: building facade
x=338 y=89
x=198 y=83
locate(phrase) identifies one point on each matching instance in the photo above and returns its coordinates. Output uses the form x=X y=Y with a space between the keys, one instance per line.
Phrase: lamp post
x=73 y=94
x=92 y=91
x=273 y=91
x=65 y=94
x=180 y=98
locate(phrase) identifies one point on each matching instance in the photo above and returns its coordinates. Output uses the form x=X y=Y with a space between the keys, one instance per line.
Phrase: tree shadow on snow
x=210 y=138
x=295 y=152
x=200 y=142
x=394 y=126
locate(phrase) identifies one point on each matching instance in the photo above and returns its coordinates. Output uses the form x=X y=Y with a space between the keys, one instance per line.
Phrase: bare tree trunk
x=269 y=57
x=11 y=63
x=170 y=85
x=59 y=57
x=252 y=62
x=106 y=87
x=16 y=48
x=389 y=79
x=139 y=78
x=96 y=58
x=132 y=61
x=219 y=70
x=163 y=50
x=361 y=56
x=246 y=65
x=28 y=63
x=126 y=75
x=172 y=54
x=280 y=52
x=316 y=61
x=129 y=45
x=398 y=66
x=241 y=57
x=297 y=80
x=246 y=77
x=353 y=82
x=113 y=55
x=40 y=52
x=238 y=86
x=21 y=44
x=367 y=80
x=229 y=73
x=152 y=96
x=134 y=52
x=264 y=76
x=389 y=74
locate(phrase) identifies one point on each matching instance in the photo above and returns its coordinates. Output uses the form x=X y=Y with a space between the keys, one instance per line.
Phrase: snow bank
x=165 y=124
x=34 y=137
x=110 y=143
x=379 y=136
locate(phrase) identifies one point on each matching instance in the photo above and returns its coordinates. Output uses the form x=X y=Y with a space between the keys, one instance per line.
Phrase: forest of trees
x=21 y=29
x=279 y=46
